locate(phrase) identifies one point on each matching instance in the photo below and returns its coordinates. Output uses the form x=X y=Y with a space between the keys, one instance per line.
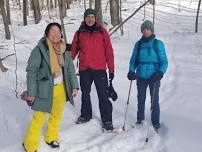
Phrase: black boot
x=81 y=120
x=53 y=144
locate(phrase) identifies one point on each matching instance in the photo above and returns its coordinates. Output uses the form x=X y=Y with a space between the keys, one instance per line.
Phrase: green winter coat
x=40 y=81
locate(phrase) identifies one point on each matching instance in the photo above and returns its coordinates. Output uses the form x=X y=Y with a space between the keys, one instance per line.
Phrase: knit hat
x=89 y=11
x=147 y=25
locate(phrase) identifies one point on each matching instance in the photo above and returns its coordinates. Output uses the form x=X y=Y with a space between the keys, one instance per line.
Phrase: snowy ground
x=180 y=94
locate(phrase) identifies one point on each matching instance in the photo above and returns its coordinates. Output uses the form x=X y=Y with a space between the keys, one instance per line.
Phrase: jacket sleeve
x=132 y=64
x=109 y=51
x=74 y=50
x=72 y=73
x=32 y=69
x=163 y=61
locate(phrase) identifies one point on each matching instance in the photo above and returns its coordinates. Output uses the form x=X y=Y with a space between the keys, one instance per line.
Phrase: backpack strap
x=138 y=52
x=155 y=47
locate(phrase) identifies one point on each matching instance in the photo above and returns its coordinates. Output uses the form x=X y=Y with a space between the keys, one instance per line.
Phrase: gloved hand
x=131 y=75
x=111 y=75
x=157 y=76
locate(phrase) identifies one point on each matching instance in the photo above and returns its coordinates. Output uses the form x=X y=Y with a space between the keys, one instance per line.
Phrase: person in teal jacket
x=51 y=81
x=148 y=64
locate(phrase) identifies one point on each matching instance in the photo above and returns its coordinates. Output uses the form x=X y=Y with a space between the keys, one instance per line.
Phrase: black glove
x=131 y=75
x=111 y=75
x=157 y=76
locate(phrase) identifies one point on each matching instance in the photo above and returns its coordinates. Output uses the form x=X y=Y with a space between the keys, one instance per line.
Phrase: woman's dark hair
x=51 y=25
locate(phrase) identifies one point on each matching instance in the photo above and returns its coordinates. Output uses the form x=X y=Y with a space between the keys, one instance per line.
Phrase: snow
x=180 y=93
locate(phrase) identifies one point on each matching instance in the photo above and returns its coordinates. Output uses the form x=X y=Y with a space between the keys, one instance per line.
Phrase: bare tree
x=114 y=12
x=56 y=3
x=50 y=3
x=37 y=14
x=121 y=24
x=98 y=8
x=19 y=4
x=62 y=15
x=8 y=16
x=84 y=1
x=25 y=12
x=3 y=13
x=90 y=3
x=197 y=15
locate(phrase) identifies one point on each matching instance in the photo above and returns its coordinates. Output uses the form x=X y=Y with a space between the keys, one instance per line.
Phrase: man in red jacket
x=92 y=45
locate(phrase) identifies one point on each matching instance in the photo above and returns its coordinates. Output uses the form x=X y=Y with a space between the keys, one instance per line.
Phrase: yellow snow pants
x=32 y=136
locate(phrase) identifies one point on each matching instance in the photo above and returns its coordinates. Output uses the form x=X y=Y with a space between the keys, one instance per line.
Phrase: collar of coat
x=44 y=49
x=96 y=28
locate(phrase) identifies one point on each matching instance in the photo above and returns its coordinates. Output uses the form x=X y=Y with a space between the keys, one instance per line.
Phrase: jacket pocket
x=43 y=88
x=42 y=74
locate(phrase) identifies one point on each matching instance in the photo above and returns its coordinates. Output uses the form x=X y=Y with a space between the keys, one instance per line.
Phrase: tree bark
x=8 y=16
x=197 y=15
x=25 y=12
x=61 y=9
x=114 y=12
x=51 y=4
x=98 y=8
x=90 y=3
x=121 y=24
x=3 y=13
x=56 y=3
x=37 y=14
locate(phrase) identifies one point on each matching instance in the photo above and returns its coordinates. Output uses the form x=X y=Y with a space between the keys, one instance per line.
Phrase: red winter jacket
x=94 y=48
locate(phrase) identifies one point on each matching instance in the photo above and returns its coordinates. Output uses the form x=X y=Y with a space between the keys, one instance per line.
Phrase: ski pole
x=127 y=105
x=147 y=139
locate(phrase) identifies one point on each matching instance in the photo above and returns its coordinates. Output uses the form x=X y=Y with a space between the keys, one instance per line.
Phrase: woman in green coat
x=51 y=80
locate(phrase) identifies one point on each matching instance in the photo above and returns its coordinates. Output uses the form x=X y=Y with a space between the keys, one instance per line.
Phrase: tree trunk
x=84 y=4
x=19 y=4
x=98 y=8
x=114 y=12
x=8 y=16
x=61 y=9
x=31 y=4
x=37 y=14
x=51 y=4
x=3 y=13
x=90 y=3
x=121 y=24
x=120 y=6
x=56 y=3
x=25 y=12
x=154 y=3
x=197 y=15
x=68 y=4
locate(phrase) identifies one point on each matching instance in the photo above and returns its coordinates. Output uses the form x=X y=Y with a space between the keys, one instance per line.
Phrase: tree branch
x=117 y=27
x=6 y=57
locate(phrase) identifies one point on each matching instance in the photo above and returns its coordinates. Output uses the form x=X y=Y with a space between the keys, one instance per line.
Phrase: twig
x=129 y=17
x=6 y=57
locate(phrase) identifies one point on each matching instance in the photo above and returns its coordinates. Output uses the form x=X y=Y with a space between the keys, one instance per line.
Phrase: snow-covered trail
x=180 y=95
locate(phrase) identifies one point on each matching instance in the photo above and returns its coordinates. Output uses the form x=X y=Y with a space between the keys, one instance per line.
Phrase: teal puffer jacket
x=40 y=81
x=151 y=58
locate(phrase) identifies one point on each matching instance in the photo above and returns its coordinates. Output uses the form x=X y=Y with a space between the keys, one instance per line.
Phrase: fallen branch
x=6 y=56
x=129 y=17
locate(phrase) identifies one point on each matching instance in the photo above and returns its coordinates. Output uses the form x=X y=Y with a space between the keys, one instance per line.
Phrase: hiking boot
x=81 y=120
x=108 y=126
x=53 y=144
x=156 y=126
x=138 y=122
x=25 y=148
